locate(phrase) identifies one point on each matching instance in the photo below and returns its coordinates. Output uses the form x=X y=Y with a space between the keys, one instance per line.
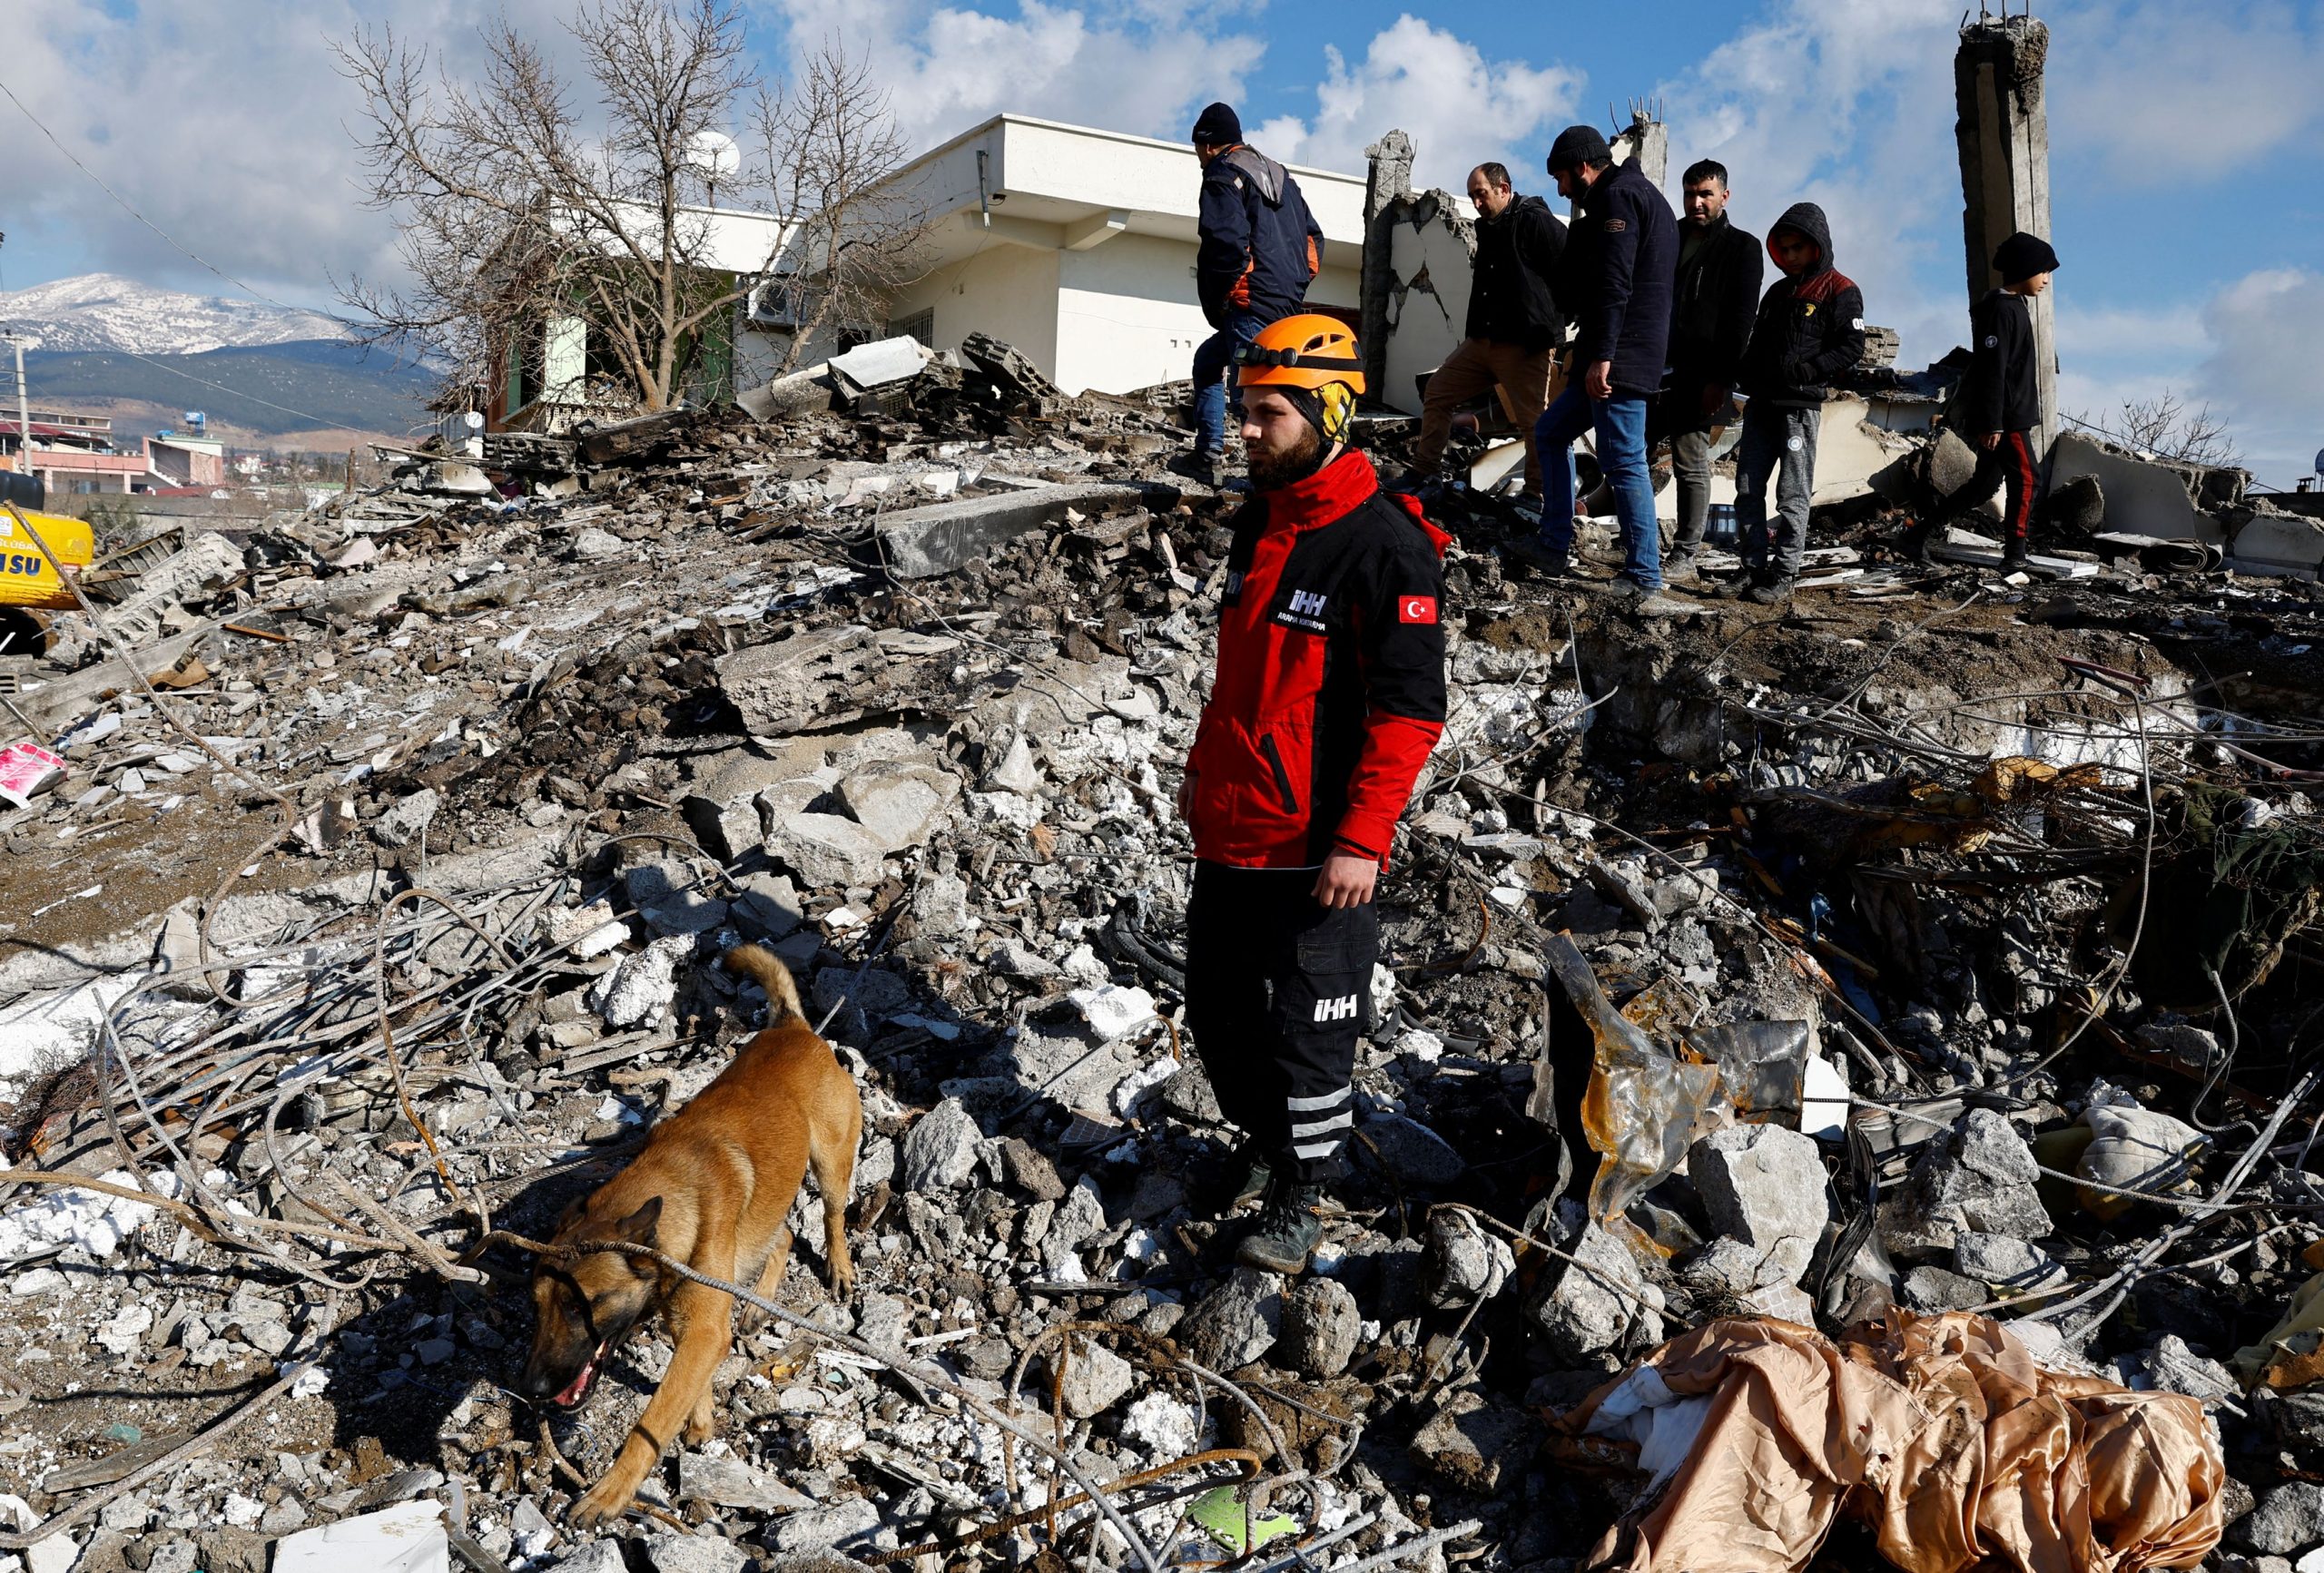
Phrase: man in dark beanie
x=1999 y=403
x=1259 y=248
x=1621 y=254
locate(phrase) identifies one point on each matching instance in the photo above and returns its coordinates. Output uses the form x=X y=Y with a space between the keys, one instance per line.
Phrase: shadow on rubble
x=425 y=1380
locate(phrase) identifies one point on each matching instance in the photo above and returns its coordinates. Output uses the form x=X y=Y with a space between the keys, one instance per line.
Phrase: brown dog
x=712 y=1188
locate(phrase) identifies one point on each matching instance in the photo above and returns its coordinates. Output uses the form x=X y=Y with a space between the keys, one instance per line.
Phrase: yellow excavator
x=27 y=578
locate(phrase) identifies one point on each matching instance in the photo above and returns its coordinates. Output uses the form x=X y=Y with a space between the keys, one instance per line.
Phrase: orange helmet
x=1309 y=350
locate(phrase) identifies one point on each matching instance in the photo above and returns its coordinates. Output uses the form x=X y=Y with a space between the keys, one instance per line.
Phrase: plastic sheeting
x=1940 y=1433
x=1644 y=1107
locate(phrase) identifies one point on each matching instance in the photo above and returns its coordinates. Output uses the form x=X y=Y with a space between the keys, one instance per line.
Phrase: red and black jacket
x=1330 y=688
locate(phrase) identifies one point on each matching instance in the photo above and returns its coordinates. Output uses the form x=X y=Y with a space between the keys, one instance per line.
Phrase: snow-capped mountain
x=100 y=311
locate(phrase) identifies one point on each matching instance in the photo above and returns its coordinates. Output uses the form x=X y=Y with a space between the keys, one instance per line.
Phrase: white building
x=1076 y=246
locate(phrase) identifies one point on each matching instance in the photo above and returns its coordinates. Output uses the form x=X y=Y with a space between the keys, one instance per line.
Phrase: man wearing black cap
x=1621 y=254
x=1259 y=248
x=1999 y=404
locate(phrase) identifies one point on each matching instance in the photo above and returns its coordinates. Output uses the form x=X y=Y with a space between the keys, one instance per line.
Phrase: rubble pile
x=1942 y=948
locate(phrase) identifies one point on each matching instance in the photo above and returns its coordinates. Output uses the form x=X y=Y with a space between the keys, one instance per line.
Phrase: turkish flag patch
x=1416 y=609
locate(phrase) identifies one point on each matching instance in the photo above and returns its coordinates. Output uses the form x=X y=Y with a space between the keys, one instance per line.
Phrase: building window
x=920 y=324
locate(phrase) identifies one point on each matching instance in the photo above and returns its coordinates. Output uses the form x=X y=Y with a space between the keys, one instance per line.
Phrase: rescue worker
x=1258 y=250
x=1328 y=696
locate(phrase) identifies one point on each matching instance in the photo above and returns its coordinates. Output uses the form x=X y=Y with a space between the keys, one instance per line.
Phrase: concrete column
x=1646 y=144
x=1388 y=184
x=2003 y=134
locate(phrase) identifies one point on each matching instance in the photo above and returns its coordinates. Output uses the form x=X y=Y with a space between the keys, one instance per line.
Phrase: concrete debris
x=894 y=672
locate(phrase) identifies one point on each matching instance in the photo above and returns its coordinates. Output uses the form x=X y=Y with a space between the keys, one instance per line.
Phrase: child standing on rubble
x=1810 y=328
x=2000 y=402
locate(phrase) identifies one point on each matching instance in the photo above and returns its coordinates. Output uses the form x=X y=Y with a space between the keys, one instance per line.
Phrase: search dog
x=711 y=1189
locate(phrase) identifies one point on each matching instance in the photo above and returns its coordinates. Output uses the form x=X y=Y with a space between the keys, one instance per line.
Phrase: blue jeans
x=1620 y=423
x=1214 y=359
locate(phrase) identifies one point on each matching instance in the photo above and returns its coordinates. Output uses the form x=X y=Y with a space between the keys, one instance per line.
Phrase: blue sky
x=2186 y=180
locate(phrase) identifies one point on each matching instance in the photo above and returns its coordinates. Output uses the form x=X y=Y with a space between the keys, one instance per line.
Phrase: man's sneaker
x=1242 y=1177
x=2012 y=557
x=1680 y=568
x=1655 y=604
x=1741 y=585
x=1287 y=1232
x=1538 y=555
x=1770 y=592
x=1199 y=465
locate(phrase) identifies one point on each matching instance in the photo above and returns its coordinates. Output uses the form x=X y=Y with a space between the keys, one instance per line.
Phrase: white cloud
x=2264 y=370
x=1459 y=108
x=231 y=138
x=946 y=67
x=1848 y=106
x=2247 y=352
x=2157 y=90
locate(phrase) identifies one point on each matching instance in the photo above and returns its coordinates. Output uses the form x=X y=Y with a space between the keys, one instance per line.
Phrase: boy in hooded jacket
x=1810 y=330
x=1999 y=405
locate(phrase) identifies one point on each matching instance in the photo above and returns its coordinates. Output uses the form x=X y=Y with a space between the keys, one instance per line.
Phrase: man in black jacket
x=2000 y=402
x=1258 y=248
x=1715 y=296
x=1513 y=328
x=1810 y=328
x=1620 y=253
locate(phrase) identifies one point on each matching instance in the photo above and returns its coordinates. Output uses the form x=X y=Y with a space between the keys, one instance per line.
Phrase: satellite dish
x=715 y=153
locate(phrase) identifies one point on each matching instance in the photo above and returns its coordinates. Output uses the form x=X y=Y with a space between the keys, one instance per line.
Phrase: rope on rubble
x=918 y=1374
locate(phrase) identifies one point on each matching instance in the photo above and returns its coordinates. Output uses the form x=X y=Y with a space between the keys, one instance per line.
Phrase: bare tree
x=829 y=142
x=2165 y=427
x=628 y=225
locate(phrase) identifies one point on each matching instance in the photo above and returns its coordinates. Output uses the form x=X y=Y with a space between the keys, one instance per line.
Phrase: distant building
x=1075 y=245
x=74 y=454
x=171 y=461
x=554 y=372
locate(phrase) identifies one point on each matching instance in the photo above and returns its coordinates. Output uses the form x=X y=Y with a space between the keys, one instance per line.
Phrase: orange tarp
x=1939 y=1433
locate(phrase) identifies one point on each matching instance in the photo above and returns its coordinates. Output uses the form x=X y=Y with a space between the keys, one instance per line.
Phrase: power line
x=125 y=207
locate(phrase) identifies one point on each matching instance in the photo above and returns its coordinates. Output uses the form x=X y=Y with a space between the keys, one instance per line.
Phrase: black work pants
x=1278 y=990
x=2008 y=463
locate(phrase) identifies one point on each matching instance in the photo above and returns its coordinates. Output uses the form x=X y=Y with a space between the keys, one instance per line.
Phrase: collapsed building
x=1849 y=970
x=1848 y=1072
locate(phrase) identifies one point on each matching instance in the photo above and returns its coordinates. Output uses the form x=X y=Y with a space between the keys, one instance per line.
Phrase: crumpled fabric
x=1940 y=1433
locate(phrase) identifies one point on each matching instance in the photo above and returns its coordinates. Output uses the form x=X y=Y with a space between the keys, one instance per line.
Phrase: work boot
x=1773 y=592
x=1242 y=1178
x=1681 y=569
x=1536 y=552
x=1751 y=577
x=1287 y=1230
x=2012 y=557
x=1655 y=604
x=1199 y=465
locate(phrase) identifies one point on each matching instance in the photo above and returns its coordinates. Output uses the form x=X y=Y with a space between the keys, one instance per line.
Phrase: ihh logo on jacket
x=1338 y=1009
x=1305 y=609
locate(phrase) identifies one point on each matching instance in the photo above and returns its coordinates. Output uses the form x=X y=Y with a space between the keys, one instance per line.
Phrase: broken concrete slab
x=900 y=803
x=409 y=1538
x=2142 y=498
x=938 y=537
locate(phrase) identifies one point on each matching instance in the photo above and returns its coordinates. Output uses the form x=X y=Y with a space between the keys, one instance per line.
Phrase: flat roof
x=1096 y=134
